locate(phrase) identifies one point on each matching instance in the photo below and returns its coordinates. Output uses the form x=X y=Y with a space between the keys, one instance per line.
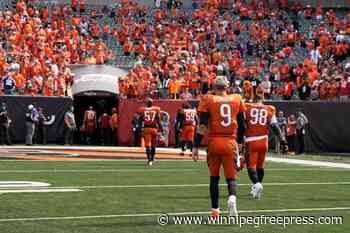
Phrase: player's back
x=190 y=116
x=258 y=117
x=150 y=115
x=223 y=111
x=90 y=115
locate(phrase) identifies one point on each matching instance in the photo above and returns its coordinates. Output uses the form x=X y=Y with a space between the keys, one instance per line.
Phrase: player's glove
x=239 y=162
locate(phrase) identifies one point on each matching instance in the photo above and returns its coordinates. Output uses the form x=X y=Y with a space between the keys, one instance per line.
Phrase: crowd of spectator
x=38 y=45
x=287 y=50
x=256 y=45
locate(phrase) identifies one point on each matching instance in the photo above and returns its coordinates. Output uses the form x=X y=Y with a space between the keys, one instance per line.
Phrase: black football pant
x=291 y=143
x=4 y=135
x=301 y=143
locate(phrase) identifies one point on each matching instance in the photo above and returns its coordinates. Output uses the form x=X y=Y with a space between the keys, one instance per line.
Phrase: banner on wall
x=54 y=110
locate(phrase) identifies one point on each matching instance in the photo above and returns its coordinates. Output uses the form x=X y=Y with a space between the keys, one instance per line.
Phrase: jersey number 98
x=258 y=116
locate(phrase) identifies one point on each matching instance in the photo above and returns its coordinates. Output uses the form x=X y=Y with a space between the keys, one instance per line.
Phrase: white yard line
x=309 y=162
x=2 y=187
x=196 y=185
x=45 y=190
x=23 y=184
x=151 y=170
x=97 y=171
x=121 y=159
x=87 y=148
x=171 y=214
x=307 y=168
x=92 y=148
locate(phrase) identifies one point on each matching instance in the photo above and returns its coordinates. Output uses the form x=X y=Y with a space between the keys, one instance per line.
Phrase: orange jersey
x=258 y=118
x=150 y=115
x=188 y=133
x=223 y=111
x=190 y=117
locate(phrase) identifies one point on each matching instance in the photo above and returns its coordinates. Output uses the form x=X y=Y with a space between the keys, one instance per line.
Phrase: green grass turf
x=116 y=201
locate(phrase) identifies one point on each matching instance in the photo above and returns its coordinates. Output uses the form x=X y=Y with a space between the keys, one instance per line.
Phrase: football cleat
x=256 y=191
x=251 y=191
x=232 y=206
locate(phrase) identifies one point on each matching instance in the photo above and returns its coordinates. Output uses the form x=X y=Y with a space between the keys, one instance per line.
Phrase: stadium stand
x=287 y=50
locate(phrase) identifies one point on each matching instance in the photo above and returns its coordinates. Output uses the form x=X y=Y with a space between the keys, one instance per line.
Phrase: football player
x=222 y=115
x=150 y=123
x=259 y=118
x=188 y=120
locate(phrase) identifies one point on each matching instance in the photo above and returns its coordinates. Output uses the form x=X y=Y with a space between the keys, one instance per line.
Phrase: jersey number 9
x=226 y=115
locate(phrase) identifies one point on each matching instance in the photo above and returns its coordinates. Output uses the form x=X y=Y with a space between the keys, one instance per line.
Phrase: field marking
x=22 y=184
x=139 y=160
x=196 y=185
x=171 y=214
x=46 y=190
x=166 y=186
x=93 y=148
x=309 y=162
x=151 y=170
x=31 y=187
x=93 y=171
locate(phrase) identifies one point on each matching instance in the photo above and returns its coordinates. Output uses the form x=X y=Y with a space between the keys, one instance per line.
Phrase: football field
x=125 y=196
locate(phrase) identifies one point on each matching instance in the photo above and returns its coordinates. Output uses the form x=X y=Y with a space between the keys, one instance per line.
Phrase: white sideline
x=171 y=214
x=312 y=163
x=195 y=185
x=97 y=160
x=309 y=162
x=98 y=148
x=95 y=171
x=77 y=188
x=151 y=170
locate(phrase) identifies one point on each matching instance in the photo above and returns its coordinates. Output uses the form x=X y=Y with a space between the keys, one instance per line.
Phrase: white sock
x=232 y=198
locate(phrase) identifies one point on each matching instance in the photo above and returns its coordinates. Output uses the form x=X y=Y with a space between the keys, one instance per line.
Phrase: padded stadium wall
x=53 y=107
x=328 y=130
